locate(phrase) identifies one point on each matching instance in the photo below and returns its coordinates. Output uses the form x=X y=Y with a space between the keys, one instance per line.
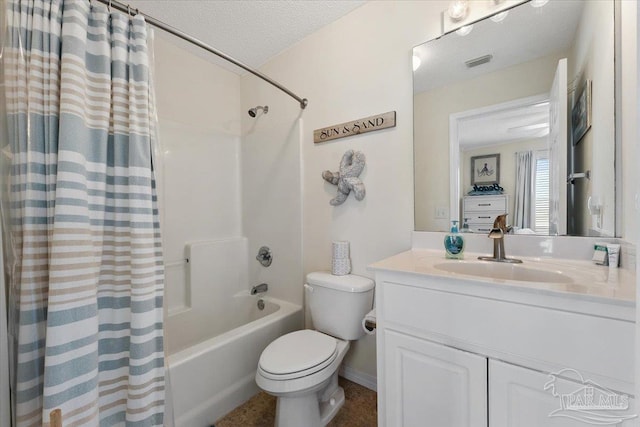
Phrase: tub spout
x=259 y=289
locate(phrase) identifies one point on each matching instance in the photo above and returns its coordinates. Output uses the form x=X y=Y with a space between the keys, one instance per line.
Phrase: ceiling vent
x=478 y=61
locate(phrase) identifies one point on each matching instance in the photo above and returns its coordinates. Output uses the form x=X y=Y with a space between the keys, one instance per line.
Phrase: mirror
x=517 y=116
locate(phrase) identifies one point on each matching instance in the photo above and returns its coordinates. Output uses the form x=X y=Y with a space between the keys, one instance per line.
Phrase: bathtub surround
x=199 y=187
x=216 y=274
x=87 y=281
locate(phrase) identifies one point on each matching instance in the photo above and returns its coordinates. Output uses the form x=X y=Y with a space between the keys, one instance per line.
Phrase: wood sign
x=355 y=127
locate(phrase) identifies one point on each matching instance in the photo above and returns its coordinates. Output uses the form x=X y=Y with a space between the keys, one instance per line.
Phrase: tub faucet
x=259 y=289
x=497 y=235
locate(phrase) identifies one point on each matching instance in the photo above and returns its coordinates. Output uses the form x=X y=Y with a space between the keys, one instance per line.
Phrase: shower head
x=254 y=111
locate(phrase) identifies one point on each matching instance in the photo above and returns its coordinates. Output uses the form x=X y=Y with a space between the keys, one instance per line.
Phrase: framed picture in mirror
x=581 y=113
x=485 y=170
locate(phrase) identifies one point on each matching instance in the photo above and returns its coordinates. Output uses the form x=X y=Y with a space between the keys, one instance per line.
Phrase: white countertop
x=590 y=281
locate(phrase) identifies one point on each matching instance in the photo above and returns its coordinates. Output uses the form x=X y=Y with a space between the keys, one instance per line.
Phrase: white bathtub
x=211 y=378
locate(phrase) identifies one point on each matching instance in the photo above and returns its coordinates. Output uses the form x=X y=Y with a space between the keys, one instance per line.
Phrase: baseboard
x=365 y=380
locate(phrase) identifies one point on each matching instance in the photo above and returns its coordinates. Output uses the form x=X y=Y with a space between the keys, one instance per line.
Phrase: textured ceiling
x=250 y=31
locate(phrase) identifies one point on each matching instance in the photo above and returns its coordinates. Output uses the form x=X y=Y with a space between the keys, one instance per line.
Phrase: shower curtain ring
x=109 y=6
x=129 y=10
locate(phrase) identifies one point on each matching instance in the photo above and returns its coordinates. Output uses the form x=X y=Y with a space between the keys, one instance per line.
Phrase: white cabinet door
x=517 y=398
x=431 y=385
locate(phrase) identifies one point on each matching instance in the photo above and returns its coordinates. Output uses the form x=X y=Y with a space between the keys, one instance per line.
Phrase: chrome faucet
x=259 y=289
x=497 y=235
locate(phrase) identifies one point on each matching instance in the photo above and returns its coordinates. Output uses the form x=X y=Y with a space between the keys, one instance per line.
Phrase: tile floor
x=359 y=410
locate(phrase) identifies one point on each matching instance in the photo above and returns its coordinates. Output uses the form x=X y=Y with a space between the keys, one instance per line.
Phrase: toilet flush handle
x=308 y=288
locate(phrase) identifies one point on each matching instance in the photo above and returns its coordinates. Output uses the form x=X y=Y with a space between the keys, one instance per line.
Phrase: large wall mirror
x=517 y=116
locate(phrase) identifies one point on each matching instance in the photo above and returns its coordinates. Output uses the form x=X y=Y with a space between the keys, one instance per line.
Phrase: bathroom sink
x=503 y=271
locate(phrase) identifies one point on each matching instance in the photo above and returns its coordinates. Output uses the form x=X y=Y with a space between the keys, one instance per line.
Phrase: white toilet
x=301 y=368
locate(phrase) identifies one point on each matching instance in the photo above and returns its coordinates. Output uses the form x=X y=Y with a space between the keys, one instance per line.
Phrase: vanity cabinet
x=456 y=352
x=525 y=398
x=481 y=211
x=429 y=381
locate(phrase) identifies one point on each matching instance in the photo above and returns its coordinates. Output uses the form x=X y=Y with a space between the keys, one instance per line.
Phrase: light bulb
x=458 y=10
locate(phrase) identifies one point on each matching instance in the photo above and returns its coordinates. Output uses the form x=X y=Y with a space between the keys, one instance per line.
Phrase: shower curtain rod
x=122 y=7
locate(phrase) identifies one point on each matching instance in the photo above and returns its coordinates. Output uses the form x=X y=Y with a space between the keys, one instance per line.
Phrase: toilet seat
x=297 y=354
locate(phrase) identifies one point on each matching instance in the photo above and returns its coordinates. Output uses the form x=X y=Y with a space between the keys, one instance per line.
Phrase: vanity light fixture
x=458 y=10
x=538 y=3
x=416 y=62
x=463 y=31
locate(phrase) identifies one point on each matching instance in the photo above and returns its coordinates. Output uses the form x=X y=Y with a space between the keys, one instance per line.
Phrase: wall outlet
x=441 y=212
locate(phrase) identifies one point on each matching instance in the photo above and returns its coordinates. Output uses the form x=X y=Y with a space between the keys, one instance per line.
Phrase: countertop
x=590 y=281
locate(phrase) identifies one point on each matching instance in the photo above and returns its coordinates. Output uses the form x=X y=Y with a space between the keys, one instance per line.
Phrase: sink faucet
x=497 y=235
x=259 y=289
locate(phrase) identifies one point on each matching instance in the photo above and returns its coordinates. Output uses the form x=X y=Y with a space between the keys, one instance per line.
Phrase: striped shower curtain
x=86 y=272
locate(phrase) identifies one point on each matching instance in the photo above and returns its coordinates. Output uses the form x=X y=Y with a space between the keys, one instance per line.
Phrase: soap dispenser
x=465 y=226
x=454 y=243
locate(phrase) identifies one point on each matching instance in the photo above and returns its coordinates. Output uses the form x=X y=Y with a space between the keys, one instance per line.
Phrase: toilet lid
x=298 y=353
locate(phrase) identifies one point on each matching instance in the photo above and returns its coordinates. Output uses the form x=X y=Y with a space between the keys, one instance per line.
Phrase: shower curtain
x=86 y=271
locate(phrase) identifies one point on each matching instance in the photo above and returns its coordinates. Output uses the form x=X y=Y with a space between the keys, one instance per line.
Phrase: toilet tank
x=339 y=303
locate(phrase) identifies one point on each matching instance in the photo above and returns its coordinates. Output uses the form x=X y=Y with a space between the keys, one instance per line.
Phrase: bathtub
x=211 y=378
